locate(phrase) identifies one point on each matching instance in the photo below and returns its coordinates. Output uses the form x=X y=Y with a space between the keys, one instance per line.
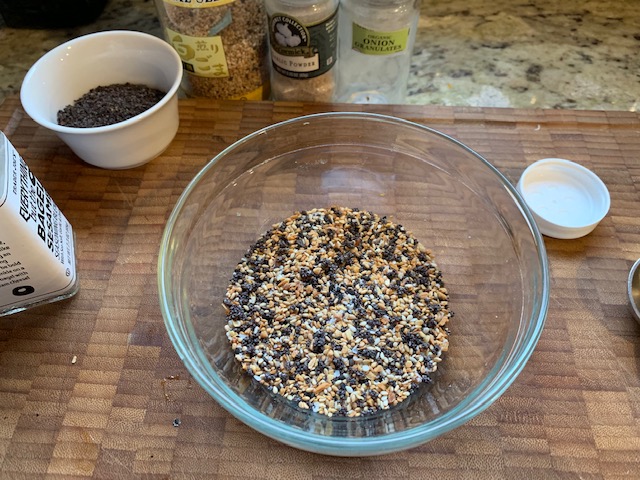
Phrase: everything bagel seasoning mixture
x=339 y=311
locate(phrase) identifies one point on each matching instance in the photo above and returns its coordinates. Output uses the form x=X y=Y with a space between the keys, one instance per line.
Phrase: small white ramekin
x=70 y=70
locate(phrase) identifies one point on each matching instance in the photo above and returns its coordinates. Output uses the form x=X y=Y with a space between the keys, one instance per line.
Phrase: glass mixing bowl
x=482 y=234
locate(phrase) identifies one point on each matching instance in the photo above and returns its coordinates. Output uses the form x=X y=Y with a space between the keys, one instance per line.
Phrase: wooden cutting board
x=92 y=387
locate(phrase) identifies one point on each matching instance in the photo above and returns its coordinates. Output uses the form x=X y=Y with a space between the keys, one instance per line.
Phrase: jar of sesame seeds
x=222 y=44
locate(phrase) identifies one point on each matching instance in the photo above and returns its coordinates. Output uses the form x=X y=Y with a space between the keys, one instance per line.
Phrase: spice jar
x=376 y=43
x=222 y=44
x=303 y=36
x=37 y=254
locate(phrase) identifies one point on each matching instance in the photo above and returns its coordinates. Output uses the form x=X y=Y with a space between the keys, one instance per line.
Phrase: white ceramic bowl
x=70 y=70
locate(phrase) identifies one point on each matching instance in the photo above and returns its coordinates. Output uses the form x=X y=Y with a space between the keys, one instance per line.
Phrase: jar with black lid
x=303 y=39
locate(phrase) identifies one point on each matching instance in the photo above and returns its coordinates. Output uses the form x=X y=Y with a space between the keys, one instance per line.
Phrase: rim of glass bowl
x=480 y=398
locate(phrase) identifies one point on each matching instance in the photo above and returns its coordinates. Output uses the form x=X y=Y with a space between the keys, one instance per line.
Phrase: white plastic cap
x=567 y=200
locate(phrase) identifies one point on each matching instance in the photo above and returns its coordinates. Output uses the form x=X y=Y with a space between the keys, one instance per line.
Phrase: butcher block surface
x=92 y=386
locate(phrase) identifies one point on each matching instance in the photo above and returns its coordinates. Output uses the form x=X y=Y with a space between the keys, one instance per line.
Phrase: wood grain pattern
x=574 y=412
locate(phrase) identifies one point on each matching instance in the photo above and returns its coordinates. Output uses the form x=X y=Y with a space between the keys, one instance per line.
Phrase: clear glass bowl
x=483 y=236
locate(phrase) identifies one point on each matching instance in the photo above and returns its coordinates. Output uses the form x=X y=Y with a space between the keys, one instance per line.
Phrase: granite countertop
x=574 y=54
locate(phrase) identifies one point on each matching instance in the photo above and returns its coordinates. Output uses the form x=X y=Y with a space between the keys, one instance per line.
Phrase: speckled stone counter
x=504 y=53
x=528 y=53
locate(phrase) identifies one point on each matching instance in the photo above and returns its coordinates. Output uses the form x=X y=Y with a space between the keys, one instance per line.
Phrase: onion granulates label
x=338 y=310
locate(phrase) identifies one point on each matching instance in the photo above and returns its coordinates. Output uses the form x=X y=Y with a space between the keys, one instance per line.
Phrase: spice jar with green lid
x=303 y=39
x=376 y=43
x=222 y=44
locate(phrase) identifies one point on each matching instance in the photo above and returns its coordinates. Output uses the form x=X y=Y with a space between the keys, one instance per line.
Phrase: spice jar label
x=303 y=51
x=257 y=94
x=372 y=42
x=202 y=56
x=37 y=256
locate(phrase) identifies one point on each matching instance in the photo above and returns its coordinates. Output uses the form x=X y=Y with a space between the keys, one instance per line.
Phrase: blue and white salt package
x=37 y=251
